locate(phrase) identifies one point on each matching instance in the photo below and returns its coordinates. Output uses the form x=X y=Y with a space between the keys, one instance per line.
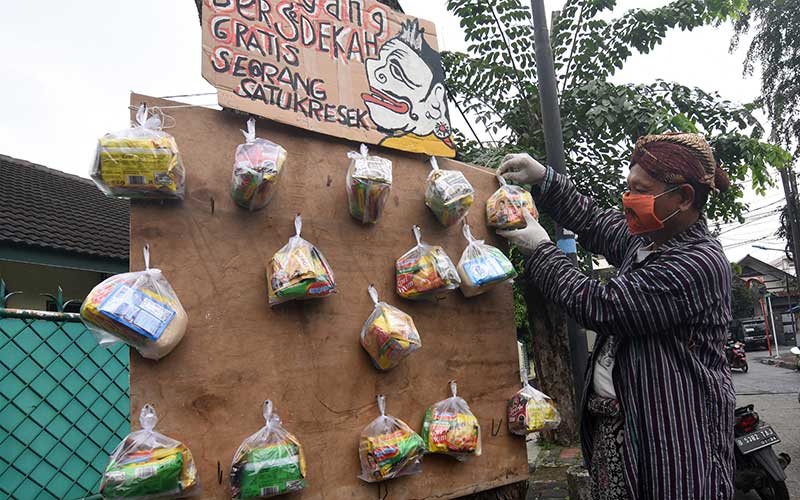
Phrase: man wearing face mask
x=657 y=418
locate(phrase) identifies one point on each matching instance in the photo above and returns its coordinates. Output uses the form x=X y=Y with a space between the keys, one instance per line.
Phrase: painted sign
x=348 y=68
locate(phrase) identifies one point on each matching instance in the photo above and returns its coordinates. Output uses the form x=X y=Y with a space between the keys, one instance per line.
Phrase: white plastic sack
x=139 y=308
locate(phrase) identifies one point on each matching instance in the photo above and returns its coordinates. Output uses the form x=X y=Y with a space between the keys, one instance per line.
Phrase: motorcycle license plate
x=760 y=438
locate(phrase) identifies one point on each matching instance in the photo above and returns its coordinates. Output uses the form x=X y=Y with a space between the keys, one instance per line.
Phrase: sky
x=72 y=70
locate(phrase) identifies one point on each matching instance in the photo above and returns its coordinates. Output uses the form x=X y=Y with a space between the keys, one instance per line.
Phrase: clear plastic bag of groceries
x=257 y=167
x=369 y=181
x=505 y=207
x=482 y=266
x=139 y=308
x=448 y=194
x=268 y=463
x=298 y=271
x=425 y=272
x=148 y=465
x=450 y=428
x=531 y=410
x=389 y=448
x=140 y=162
x=389 y=335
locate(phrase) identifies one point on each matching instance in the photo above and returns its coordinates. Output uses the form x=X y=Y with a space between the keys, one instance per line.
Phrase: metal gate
x=64 y=405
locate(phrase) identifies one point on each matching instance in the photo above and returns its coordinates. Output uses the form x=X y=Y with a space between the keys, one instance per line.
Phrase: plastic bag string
x=373 y=294
x=153 y=122
x=147 y=417
x=267 y=411
x=417 y=234
x=362 y=153
x=382 y=404
x=468 y=235
x=298 y=224
x=434 y=163
x=250 y=133
x=453 y=388
x=523 y=372
x=146 y=253
x=141 y=115
x=501 y=180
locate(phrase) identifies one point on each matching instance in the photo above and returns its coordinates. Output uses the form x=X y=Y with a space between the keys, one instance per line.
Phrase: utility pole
x=554 y=150
x=790 y=192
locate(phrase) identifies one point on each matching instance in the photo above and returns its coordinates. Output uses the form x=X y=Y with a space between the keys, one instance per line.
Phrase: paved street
x=773 y=391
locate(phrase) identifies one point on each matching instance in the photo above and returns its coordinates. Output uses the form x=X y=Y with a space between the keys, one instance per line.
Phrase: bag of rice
x=448 y=194
x=450 y=428
x=369 y=181
x=257 y=166
x=425 y=271
x=504 y=208
x=389 y=448
x=389 y=334
x=482 y=266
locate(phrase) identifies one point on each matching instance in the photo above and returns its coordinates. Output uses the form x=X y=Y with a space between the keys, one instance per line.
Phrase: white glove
x=520 y=168
x=527 y=238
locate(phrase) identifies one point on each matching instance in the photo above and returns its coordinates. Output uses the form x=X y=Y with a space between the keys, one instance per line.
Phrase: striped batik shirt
x=670 y=313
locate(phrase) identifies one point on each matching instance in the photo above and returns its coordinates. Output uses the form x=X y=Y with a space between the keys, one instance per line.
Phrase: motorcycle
x=757 y=466
x=734 y=352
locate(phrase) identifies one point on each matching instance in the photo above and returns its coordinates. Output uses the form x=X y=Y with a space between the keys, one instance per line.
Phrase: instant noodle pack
x=139 y=308
x=257 y=166
x=389 y=448
x=142 y=161
x=425 y=271
x=268 y=463
x=149 y=465
x=389 y=334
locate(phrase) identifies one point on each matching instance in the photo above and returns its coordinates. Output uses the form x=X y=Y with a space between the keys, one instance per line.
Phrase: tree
x=494 y=82
x=776 y=27
x=743 y=299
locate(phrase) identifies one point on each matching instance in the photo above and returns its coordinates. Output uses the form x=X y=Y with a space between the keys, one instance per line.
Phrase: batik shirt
x=669 y=314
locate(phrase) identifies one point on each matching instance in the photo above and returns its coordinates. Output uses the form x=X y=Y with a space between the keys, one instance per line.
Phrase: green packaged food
x=298 y=271
x=149 y=465
x=389 y=448
x=268 y=463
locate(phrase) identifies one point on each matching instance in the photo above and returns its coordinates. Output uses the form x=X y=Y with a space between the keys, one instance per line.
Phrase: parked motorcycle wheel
x=775 y=490
x=745 y=367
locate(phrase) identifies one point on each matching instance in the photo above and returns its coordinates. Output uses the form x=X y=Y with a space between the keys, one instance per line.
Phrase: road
x=773 y=391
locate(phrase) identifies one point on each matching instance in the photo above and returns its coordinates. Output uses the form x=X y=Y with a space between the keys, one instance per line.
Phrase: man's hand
x=520 y=168
x=528 y=238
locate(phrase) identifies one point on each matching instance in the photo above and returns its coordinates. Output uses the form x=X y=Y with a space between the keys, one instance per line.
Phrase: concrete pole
x=554 y=149
x=772 y=321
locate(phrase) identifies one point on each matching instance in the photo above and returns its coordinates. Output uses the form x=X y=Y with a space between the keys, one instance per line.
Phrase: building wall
x=34 y=279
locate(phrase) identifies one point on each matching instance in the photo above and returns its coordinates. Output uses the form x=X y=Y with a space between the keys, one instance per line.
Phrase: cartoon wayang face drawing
x=407 y=96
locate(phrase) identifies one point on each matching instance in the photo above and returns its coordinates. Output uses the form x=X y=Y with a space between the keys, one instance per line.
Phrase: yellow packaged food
x=504 y=208
x=389 y=335
x=139 y=162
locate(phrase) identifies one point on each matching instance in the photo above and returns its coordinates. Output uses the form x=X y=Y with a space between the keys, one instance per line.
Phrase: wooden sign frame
x=348 y=68
x=305 y=356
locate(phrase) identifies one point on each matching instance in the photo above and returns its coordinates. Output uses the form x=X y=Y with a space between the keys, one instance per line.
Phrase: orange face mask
x=640 y=213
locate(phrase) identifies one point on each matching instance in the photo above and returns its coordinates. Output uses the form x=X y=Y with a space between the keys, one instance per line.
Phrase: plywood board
x=352 y=69
x=305 y=356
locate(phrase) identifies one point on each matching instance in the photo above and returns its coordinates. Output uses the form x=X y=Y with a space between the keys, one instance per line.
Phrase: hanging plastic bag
x=450 y=428
x=257 y=167
x=505 y=207
x=448 y=194
x=482 y=266
x=140 y=309
x=148 y=465
x=139 y=162
x=299 y=271
x=389 y=335
x=531 y=411
x=268 y=463
x=369 y=181
x=425 y=271
x=389 y=448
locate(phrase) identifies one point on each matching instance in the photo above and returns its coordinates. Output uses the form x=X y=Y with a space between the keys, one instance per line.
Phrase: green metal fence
x=64 y=406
